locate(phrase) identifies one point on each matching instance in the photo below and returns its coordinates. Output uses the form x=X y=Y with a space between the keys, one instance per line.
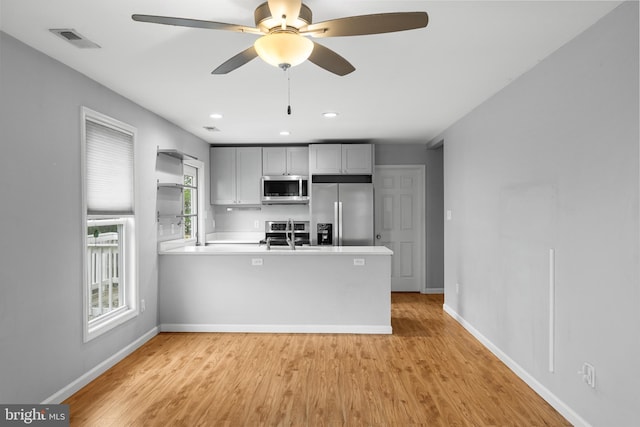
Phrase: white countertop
x=253 y=249
x=231 y=237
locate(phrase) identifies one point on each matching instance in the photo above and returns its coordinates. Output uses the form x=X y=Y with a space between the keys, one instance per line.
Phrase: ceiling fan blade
x=194 y=23
x=288 y=8
x=237 y=61
x=368 y=24
x=325 y=58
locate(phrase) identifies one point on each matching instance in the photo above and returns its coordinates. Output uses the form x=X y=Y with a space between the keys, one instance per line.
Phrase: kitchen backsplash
x=246 y=219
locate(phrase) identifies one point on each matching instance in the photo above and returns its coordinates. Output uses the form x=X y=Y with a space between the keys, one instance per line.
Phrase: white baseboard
x=432 y=291
x=544 y=392
x=302 y=329
x=94 y=373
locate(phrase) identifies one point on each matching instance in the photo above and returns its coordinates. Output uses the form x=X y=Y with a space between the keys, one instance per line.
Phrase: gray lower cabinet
x=235 y=175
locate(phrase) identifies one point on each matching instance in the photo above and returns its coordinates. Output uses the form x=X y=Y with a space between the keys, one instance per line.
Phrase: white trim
x=98 y=370
x=259 y=328
x=542 y=391
x=433 y=291
x=552 y=308
x=199 y=165
x=129 y=250
x=423 y=220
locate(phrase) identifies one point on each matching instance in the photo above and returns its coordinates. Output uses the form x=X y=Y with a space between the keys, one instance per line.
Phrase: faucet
x=291 y=240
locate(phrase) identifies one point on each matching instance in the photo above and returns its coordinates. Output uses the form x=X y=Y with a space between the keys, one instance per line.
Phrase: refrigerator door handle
x=336 y=224
x=340 y=223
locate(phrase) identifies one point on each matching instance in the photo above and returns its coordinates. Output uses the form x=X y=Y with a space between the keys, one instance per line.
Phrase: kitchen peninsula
x=248 y=288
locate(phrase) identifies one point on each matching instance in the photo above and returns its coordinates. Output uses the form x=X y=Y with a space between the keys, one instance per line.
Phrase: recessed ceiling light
x=285 y=133
x=330 y=114
x=216 y=116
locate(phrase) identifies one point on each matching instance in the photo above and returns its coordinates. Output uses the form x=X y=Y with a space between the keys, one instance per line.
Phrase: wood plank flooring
x=429 y=372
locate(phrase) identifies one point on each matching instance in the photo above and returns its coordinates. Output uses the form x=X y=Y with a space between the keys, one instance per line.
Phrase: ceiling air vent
x=212 y=128
x=74 y=37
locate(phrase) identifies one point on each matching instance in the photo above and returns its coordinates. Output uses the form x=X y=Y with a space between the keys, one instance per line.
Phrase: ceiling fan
x=283 y=26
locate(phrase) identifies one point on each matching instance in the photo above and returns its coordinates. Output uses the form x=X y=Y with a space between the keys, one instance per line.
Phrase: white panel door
x=400 y=222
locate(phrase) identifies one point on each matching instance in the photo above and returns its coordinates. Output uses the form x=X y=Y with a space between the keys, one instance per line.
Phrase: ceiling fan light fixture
x=283 y=48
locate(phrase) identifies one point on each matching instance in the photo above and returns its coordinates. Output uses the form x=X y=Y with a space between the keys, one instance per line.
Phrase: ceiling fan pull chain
x=288 y=92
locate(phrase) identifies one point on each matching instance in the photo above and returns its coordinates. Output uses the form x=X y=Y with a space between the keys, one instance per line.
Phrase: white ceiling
x=407 y=87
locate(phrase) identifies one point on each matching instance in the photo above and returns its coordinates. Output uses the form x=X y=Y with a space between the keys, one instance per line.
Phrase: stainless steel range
x=279 y=233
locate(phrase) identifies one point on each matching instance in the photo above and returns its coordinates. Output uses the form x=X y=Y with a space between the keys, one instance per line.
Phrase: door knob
x=378 y=236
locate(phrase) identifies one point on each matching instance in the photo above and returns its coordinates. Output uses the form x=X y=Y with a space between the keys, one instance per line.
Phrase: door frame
x=423 y=217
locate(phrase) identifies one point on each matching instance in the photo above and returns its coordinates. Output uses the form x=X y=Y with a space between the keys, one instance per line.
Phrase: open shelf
x=177 y=154
x=174 y=185
x=172 y=216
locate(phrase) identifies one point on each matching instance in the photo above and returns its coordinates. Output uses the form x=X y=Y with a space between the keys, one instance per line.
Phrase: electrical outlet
x=588 y=373
x=256 y=261
x=358 y=261
x=143 y=306
x=449 y=215
x=256 y=224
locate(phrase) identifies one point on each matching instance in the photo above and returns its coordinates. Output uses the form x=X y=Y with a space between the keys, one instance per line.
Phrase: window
x=104 y=247
x=190 y=202
x=110 y=281
x=193 y=201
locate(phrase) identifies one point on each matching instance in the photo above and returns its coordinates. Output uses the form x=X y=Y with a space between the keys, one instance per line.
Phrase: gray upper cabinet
x=235 y=175
x=357 y=158
x=285 y=161
x=248 y=174
x=340 y=159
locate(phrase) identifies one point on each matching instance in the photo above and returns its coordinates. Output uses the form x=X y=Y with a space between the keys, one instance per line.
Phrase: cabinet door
x=223 y=175
x=325 y=159
x=356 y=158
x=274 y=161
x=298 y=161
x=248 y=174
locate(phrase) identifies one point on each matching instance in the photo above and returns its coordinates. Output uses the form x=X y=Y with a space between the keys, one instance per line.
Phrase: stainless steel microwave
x=287 y=189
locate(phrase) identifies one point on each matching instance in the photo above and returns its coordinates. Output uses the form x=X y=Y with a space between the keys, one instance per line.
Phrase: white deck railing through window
x=103 y=274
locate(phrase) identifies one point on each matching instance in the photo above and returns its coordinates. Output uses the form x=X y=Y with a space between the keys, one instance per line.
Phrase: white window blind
x=109 y=170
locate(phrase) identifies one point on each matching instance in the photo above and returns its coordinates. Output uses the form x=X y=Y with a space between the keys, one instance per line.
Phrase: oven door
x=284 y=190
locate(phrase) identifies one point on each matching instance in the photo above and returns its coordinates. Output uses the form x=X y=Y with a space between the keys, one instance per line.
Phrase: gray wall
x=400 y=154
x=435 y=219
x=432 y=158
x=552 y=162
x=41 y=348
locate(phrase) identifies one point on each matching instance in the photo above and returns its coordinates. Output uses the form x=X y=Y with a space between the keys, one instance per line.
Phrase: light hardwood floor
x=429 y=372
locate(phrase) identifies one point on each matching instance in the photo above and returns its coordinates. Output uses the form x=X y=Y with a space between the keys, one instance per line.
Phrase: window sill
x=100 y=327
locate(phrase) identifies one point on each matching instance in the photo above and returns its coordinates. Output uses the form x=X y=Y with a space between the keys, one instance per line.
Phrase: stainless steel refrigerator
x=342 y=212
